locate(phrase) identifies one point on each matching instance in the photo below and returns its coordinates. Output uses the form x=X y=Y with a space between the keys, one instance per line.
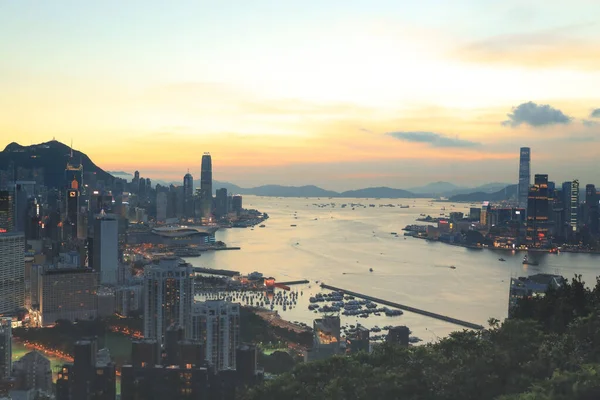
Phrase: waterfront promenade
x=430 y=314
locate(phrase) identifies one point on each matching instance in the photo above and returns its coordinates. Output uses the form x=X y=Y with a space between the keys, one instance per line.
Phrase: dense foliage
x=549 y=351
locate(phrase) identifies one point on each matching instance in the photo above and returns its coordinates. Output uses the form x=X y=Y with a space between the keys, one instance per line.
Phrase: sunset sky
x=342 y=94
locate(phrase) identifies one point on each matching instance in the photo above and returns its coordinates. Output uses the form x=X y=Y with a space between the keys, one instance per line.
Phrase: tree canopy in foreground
x=549 y=351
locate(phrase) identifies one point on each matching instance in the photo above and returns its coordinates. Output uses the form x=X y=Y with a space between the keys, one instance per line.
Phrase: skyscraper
x=188 y=196
x=538 y=212
x=5 y=347
x=222 y=203
x=571 y=203
x=34 y=369
x=12 y=272
x=161 y=206
x=216 y=323
x=7 y=209
x=206 y=185
x=591 y=207
x=524 y=176
x=168 y=297
x=105 y=249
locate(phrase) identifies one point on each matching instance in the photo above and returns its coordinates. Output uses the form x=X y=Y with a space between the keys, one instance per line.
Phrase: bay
x=339 y=245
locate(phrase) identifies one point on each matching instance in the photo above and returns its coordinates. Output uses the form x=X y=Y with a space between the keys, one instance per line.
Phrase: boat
x=452 y=267
x=526 y=261
x=393 y=233
x=501 y=259
x=370 y=269
x=261 y=226
x=293 y=225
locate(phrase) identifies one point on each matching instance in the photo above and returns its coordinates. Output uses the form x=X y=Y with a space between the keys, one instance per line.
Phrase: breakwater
x=414 y=310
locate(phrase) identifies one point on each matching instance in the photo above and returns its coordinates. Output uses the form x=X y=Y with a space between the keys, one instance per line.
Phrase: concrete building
x=12 y=272
x=538 y=212
x=216 y=323
x=7 y=211
x=161 y=207
x=222 y=203
x=33 y=369
x=68 y=294
x=236 y=204
x=105 y=249
x=168 y=297
x=5 y=347
x=326 y=339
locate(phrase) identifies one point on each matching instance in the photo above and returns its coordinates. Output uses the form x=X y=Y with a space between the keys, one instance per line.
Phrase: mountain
x=52 y=157
x=508 y=192
x=379 y=192
x=435 y=188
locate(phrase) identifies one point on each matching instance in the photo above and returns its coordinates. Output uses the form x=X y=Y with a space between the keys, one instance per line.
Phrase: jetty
x=304 y=281
x=211 y=271
x=414 y=310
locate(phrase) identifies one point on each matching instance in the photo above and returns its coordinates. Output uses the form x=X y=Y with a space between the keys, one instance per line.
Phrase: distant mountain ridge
x=52 y=156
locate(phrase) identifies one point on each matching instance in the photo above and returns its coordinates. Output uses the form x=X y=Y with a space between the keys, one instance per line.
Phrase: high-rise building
x=7 y=211
x=168 y=297
x=68 y=294
x=5 y=347
x=570 y=192
x=34 y=370
x=161 y=207
x=188 y=196
x=398 y=335
x=236 y=204
x=591 y=206
x=206 y=186
x=524 y=176
x=12 y=272
x=216 y=324
x=92 y=375
x=105 y=249
x=326 y=338
x=538 y=212
x=222 y=203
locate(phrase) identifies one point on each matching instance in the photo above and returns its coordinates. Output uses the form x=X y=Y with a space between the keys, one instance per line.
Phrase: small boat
x=261 y=226
x=370 y=269
x=452 y=267
x=293 y=225
x=501 y=259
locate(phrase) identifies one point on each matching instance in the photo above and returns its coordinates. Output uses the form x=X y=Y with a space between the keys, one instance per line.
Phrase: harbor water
x=339 y=245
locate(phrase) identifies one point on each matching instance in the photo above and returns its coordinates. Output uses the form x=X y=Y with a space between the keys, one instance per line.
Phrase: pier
x=414 y=310
x=304 y=281
x=224 y=272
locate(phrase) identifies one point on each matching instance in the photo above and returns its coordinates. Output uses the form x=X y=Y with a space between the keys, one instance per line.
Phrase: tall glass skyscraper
x=206 y=186
x=188 y=195
x=538 y=212
x=524 y=176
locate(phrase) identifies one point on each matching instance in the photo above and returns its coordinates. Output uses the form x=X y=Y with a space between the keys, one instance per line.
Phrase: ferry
x=527 y=262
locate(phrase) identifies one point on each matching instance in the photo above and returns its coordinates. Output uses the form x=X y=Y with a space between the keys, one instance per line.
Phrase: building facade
x=524 y=176
x=216 y=324
x=538 y=212
x=188 y=196
x=206 y=186
x=12 y=272
x=168 y=297
x=68 y=294
x=5 y=347
x=34 y=369
x=105 y=249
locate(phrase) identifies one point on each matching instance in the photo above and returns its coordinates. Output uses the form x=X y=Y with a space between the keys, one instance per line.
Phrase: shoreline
x=476 y=247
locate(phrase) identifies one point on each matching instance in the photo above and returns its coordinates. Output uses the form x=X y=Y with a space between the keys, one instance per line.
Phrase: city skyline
x=338 y=95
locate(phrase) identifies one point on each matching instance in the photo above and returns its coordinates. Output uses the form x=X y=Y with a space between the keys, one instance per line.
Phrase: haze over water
x=340 y=246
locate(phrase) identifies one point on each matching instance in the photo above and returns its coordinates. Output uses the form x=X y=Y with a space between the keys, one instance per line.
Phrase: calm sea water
x=338 y=246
